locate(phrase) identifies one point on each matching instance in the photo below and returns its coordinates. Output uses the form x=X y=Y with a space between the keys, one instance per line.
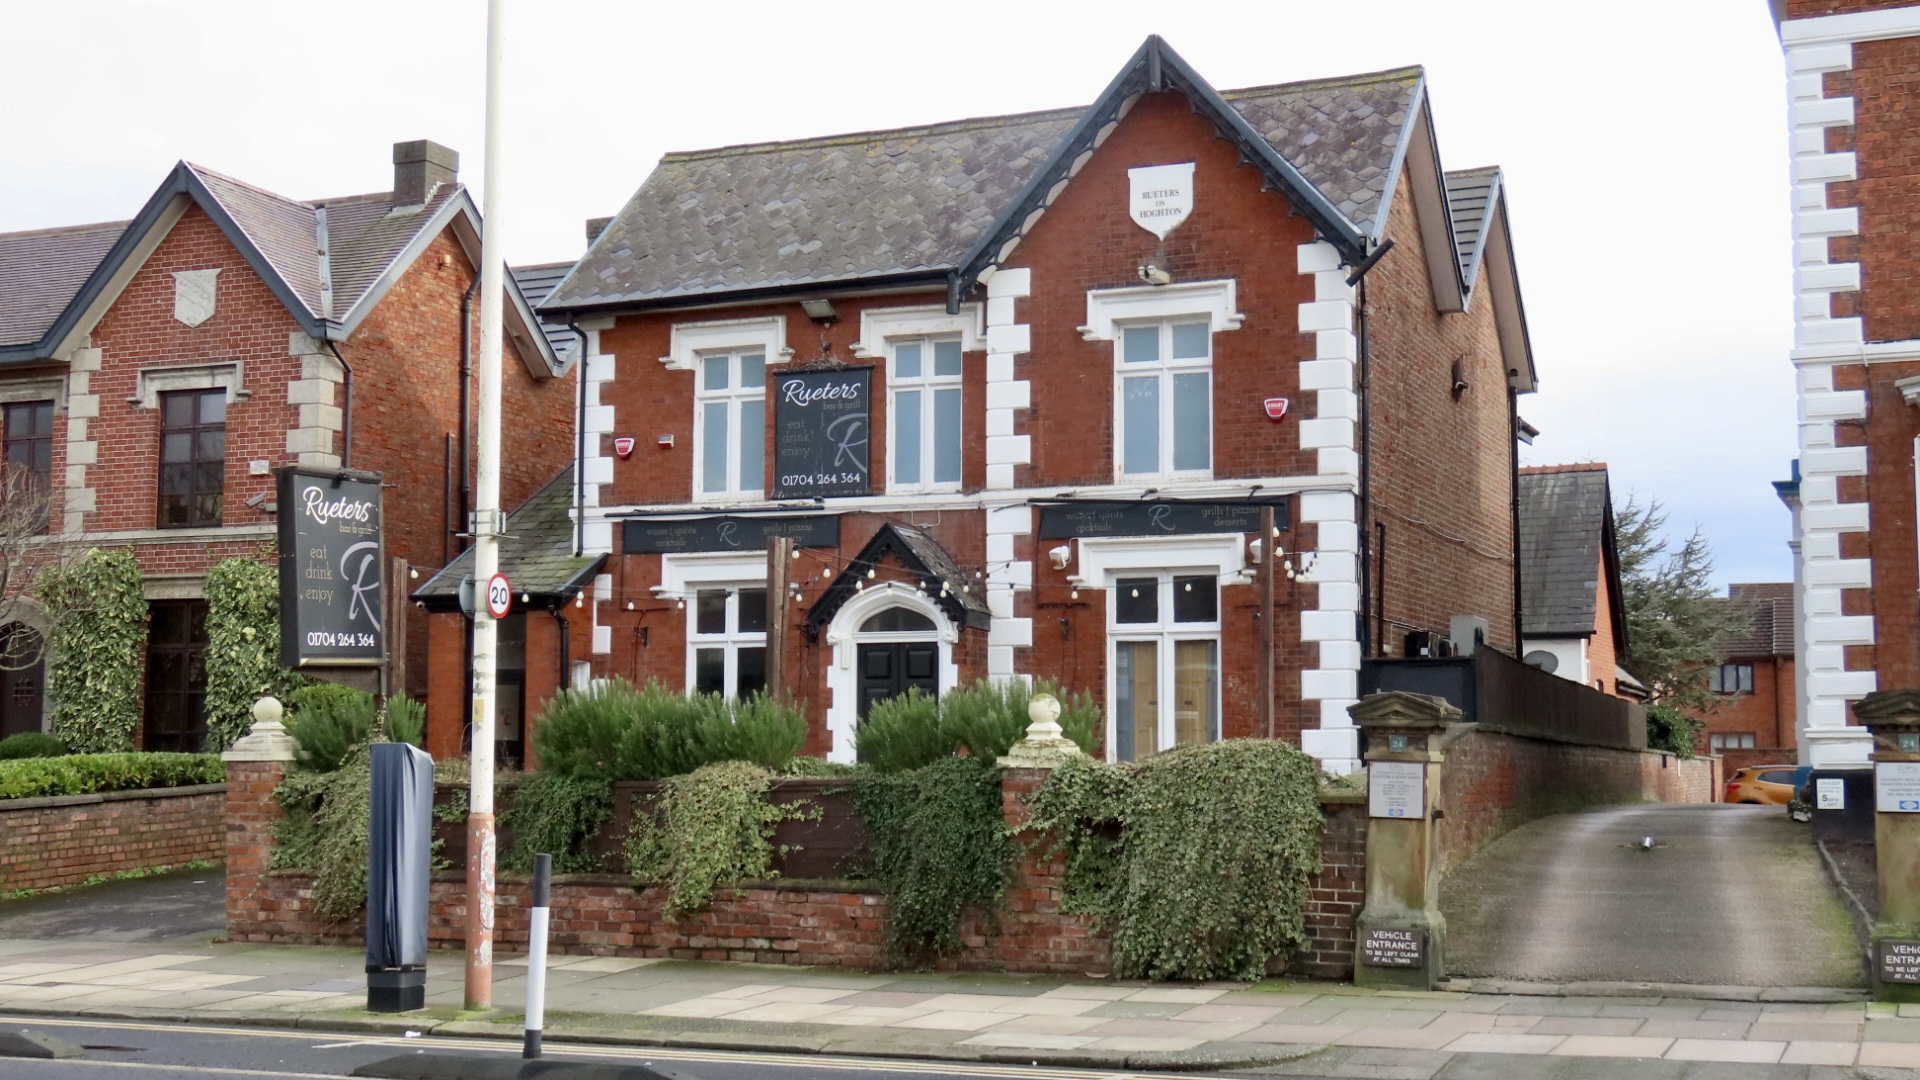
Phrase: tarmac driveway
x=1731 y=895
x=186 y=905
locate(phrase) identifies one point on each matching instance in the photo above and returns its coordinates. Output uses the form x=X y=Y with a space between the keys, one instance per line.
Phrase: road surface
x=1730 y=896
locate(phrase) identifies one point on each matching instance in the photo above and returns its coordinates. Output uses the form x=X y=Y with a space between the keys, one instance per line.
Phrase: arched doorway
x=23 y=680
x=885 y=640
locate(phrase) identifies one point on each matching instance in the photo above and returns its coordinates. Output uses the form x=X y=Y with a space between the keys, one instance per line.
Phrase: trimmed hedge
x=85 y=774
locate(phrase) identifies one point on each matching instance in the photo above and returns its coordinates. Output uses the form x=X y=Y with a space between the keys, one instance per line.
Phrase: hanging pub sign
x=331 y=568
x=747 y=532
x=1068 y=519
x=820 y=433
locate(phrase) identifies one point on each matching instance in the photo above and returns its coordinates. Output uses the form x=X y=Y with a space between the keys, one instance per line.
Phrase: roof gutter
x=580 y=443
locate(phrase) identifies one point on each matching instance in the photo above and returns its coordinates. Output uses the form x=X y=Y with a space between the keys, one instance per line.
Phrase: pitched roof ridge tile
x=1476 y=172
x=854 y=138
x=1364 y=78
x=203 y=172
x=1579 y=466
x=57 y=230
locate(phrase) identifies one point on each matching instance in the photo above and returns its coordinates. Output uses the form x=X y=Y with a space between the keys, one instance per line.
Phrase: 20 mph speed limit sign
x=499 y=596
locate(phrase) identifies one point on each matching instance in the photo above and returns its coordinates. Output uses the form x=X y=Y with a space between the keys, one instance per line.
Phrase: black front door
x=889 y=668
x=176 y=676
x=22 y=680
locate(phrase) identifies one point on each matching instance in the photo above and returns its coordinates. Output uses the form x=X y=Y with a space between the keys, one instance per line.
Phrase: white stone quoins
x=1006 y=339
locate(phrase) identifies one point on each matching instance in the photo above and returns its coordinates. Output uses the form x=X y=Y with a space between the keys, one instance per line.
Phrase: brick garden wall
x=65 y=839
x=835 y=923
x=1494 y=782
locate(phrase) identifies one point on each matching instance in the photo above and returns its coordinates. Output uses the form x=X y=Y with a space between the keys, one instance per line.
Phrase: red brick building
x=154 y=372
x=1019 y=388
x=1852 y=67
x=1752 y=722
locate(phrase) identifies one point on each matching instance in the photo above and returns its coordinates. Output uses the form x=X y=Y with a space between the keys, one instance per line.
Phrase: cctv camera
x=1153 y=275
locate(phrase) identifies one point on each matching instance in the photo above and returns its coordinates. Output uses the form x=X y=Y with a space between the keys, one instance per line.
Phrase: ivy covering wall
x=243 y=647
x=99 y=615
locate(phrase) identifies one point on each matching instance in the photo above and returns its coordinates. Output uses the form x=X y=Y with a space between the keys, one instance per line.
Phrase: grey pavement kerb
x=1283 y=1027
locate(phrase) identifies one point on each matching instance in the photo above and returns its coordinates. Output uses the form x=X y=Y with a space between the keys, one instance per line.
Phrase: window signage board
x=641 y=536
x=1133 y=517
x=1396 y=789
x=1897 y=961
x=1896 y=787
x=1388 y=948
x=332 y=568
x=821 y=424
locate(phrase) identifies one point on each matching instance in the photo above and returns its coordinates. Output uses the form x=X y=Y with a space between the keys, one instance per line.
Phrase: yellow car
x=1771 y=785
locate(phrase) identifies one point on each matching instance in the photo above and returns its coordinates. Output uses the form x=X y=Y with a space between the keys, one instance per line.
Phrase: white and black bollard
x=537 y=955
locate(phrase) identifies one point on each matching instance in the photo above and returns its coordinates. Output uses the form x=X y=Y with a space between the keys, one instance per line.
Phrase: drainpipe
x=1365 y=516
x=580 y=445
x=566 y=645
x=1513 y=484
x=466 y=406
x=346 y=411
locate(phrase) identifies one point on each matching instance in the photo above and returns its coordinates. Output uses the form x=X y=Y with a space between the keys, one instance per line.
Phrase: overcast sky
x=1646 y=157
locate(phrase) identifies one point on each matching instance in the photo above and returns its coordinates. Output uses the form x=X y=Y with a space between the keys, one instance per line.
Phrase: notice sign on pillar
x=1897 y=961
x=1396 y=789
x=1393 y=948
x=1896 y=787
x=332 y=569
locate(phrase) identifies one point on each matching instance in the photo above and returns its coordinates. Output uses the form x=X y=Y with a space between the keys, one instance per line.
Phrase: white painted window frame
x=684 y=575
x=1164 y=369
x=1164 y=634
x=687 y=341
x=733 y=396
x=1102 y=561
x=730 y=639
x=927 y=383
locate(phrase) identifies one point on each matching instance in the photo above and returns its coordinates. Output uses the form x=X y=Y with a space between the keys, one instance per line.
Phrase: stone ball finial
x=1045 y=746
x=268 y=710
x=267 y=740
x=1043 y=715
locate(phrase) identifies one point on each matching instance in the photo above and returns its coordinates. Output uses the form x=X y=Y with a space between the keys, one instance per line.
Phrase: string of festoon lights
x=1294 y=566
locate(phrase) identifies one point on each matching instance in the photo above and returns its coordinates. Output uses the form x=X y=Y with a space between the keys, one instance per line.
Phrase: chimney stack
x=596 y=226
x=419 y=167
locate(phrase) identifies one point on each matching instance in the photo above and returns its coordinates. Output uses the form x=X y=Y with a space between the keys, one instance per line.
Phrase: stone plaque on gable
x=193 y=295
x=1160 y=196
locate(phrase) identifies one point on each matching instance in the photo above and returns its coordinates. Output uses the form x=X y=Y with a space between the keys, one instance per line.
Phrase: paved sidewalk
x=1276 y=1027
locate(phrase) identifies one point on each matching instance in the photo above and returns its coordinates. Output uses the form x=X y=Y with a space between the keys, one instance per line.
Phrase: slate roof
x=1469 y=193
x=536 y=553
x=1564 y=521
x=536 y=284
x=365 y=235
x=1770 y=630
x=42 y=270
x=881 y=204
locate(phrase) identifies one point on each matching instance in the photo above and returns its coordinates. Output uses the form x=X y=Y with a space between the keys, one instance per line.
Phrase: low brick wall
x=836 y=923
x=66 y=839
x=1494 y=781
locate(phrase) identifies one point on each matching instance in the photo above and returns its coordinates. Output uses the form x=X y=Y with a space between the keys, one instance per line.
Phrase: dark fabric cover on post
x=399 y=856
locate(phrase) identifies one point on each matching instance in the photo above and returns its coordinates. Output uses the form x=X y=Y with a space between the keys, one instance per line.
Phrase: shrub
x=709 y=826
x=939 y=846
x=1207 y=877
x=982 y=718
x=85 y=774
x=327 y=720
x=30 y=744
x=99 y=633
x=1673 y=731
x=558 y=814
x=616 y=732
x=323 y=831
x=243 y=647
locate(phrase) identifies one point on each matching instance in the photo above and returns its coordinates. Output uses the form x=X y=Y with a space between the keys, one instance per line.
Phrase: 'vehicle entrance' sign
x=1393 y=948
x=820 y=433
x=1898 y=961
x=332 y=565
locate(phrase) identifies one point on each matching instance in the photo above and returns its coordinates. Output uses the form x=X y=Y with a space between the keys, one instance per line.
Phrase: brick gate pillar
x=1401 y=935
x=255 y=766
x=1893 y=716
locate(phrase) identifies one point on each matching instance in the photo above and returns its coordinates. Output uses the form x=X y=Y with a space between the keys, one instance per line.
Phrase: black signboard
x=821 y=427
x=641 y=536
x=1897 y=961
x=1393 y=948
x=1136 y=517
x=331 y=569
